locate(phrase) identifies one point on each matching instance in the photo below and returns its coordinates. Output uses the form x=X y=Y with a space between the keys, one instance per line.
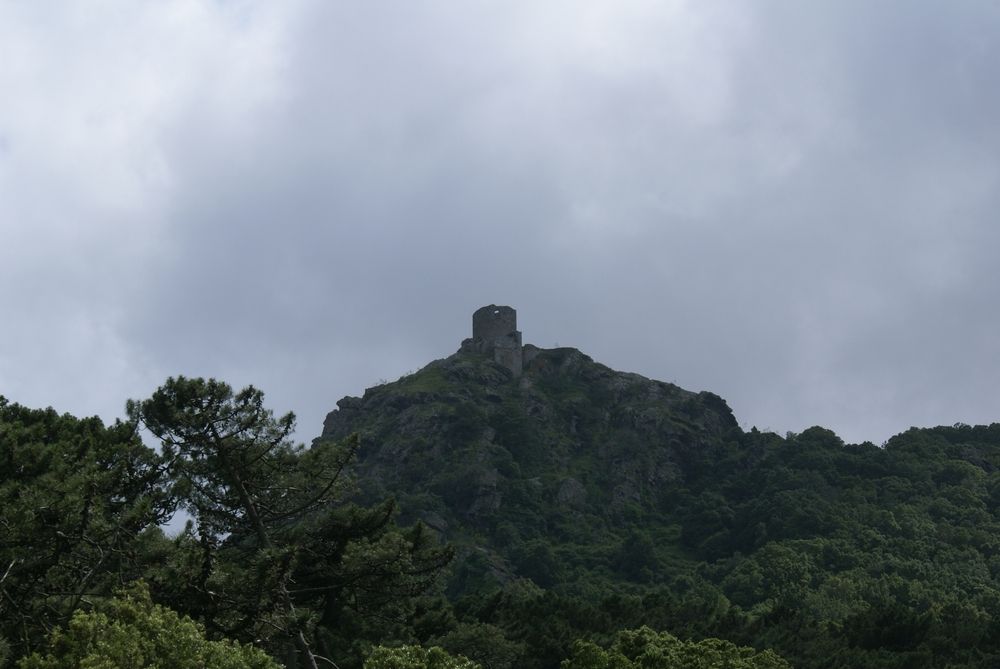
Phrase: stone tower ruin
x=494 y=330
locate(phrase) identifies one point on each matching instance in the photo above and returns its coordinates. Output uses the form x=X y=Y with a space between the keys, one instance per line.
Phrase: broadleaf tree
x=647 y=649
x=130 y=632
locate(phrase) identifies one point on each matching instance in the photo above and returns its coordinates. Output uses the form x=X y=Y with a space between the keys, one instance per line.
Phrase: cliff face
x=492 y=460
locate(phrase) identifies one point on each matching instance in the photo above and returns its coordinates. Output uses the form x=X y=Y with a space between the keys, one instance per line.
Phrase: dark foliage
x=593 y=501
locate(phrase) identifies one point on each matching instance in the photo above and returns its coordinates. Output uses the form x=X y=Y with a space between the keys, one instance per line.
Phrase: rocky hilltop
x=558 y=446
x=580 y=498
x=569 y=431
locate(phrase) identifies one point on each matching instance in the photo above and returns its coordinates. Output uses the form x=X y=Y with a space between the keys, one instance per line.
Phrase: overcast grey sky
x=791 y=204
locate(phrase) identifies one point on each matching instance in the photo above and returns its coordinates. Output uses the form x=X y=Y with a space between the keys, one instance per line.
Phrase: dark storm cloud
x=789 y=205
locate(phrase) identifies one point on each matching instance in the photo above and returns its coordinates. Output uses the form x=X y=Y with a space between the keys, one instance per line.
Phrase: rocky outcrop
x=461 y=440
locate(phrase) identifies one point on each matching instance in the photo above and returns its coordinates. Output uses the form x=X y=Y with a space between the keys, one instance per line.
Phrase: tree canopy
x=644 y=648
x=283 y=550
x=78 y=501
x=130 y=632
x=275 y=553
x=570 y=520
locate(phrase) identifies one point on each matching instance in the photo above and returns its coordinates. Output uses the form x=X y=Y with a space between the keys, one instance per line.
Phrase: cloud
x=791 y=206
x=86 y=179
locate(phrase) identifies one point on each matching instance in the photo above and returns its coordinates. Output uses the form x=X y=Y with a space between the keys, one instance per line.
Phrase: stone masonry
x=494 y=330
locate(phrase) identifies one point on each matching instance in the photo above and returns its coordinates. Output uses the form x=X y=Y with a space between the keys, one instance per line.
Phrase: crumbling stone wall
x=492 y=321
x=494 y=330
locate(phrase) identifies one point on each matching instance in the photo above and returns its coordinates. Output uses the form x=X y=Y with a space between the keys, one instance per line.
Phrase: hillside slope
x=584 y=500
x=569 y=452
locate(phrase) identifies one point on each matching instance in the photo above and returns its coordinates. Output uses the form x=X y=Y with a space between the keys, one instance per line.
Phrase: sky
x=795 y=206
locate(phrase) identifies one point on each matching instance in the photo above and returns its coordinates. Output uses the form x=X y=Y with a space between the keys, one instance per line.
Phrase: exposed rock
x=471 y=452
x=571 y=492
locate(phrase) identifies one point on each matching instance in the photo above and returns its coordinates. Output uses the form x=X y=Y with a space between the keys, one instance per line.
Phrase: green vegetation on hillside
x=624 y=502
x=130 y=632
x=596 y=519
x=79 y=503
x=275 y=554
x=645 y=649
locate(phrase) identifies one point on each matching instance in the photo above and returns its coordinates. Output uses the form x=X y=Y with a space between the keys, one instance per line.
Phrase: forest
x=464 y=521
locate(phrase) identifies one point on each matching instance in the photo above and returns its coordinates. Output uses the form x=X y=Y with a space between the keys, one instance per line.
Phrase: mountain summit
x=583 y=500
x=501 y=443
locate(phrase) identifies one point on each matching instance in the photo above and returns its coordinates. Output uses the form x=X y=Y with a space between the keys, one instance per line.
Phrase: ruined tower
x=494 y=330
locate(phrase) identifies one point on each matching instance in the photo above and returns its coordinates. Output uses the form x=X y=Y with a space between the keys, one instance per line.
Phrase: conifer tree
x=280 y=545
